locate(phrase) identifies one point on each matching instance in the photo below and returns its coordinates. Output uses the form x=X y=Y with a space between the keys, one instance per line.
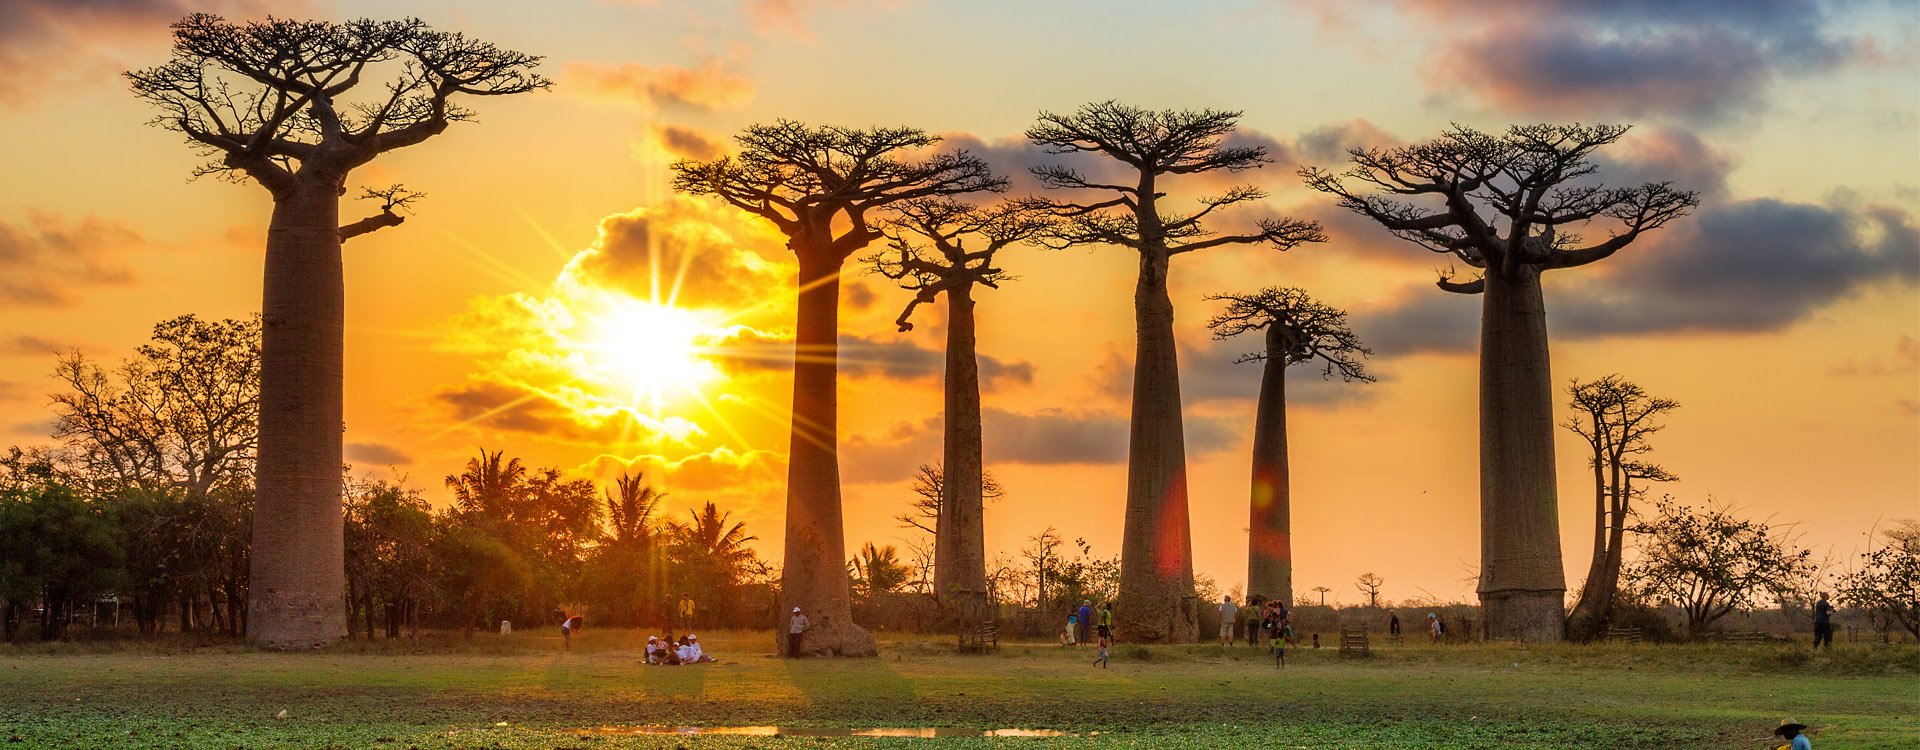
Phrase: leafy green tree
x=625 y=572
x=389 y=538
x=1887 y=584
x=1708 y=561
x=709 y=557
x=877 y=571
x=59 y=550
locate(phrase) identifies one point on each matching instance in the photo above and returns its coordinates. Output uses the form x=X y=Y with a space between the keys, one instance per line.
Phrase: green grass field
x=521 y=692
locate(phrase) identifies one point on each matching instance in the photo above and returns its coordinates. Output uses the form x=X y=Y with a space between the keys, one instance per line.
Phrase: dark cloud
x=1327 y=145
x=31 y=345
x=1756 y=265
x=1748 y=266
x=1697 y=59
x=49 y=260
x=687 y=143
x=377 y=454
x=503 y=406
x=1049 y=437
x=1208 y=373
x=884 y=356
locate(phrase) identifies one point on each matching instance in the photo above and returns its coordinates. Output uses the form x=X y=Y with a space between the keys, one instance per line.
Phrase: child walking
x=1101 y=661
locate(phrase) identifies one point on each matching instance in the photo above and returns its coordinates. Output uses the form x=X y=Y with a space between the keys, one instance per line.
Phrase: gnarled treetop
x=271 y=99
x=1528 y=180
x=1298 y=327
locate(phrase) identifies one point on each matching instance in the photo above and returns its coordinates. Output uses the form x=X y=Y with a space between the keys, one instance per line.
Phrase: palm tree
x=630 y=513
x=878 y=570
x=489 y=487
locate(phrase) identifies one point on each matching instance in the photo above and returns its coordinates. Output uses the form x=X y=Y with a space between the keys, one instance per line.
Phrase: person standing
x=1071 y=637
x=686 y=610
x=1823 y=622
x=1085 y=621
x=796 y=628
x=1106 y=621
x=1101 y=660
x=1433 y=626
x=1790 y=731
x=1228 y=614
x=1393 y=623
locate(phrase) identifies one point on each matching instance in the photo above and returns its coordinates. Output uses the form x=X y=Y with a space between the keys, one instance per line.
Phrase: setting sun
x=650 y=351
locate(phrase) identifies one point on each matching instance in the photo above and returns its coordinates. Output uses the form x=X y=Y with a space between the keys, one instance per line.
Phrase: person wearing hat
x=653 y=649
x=1790 y=731
x=796 y=627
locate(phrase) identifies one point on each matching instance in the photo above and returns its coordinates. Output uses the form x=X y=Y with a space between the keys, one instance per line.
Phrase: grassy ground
x=520 y=692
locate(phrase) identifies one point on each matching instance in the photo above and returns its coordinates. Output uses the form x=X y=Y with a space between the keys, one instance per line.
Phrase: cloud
x=563 y=413
x=31 y=345
x=1208 y=373
x=686 y=143
x=1702 y=60
x=709 y=255
x=721 y=468
x=47 y=45
x=48 y=260
x=708 y=88
x=1048 y=437
x=1903 y=360
x=377 y=454
x=746 y=350
x=1740 y=267
x=1757 y=265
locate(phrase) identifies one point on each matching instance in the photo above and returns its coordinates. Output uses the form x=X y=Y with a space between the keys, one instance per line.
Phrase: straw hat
x=1787 y=725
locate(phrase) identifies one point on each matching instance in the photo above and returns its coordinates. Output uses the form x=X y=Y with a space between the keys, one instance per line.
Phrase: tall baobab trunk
x=1522 y=586
x=298 y=560
x=1156 y=570
x=1269 y=524
x=814 y=576
x=960 y=547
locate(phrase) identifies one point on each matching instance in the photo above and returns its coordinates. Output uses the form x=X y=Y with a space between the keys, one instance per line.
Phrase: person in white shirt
x=796 y=626
x=1227 y=614
x=690 y=653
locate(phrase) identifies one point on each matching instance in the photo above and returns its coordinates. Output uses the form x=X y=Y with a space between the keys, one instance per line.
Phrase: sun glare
x=651 y=351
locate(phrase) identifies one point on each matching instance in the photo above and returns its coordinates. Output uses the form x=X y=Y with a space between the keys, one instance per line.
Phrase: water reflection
x=831 y=731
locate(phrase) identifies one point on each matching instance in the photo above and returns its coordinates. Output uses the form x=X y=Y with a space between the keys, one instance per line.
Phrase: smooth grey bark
x=299 y=564
x=813 y=574
x=1269 y=515
x=1157 y=602
x=1522 y=582
x=960 y=544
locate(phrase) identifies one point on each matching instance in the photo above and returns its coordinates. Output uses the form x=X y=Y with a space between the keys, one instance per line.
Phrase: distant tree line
x=144 y=506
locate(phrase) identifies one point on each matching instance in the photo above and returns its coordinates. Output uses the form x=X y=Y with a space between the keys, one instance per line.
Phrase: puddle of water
x=829 y=731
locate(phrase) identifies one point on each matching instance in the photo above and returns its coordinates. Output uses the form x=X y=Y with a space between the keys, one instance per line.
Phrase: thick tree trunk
x=1522 y=584
x=1156 y=559
x=1269 y=522
x=960 y=547
x=298 y=567
x=814 y=574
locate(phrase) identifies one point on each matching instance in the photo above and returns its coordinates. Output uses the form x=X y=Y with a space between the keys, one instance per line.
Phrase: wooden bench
x=979 y=638
x=1353 y=641
x=1744 y=639
x=1628 y=635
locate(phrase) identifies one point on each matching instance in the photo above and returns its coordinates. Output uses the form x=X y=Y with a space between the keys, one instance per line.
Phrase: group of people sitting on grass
x=668 y=651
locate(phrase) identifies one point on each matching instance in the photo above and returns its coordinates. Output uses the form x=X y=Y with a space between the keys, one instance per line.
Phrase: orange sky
x=1784 y=316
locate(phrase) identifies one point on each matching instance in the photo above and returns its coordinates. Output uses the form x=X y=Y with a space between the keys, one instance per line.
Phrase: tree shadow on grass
x=851 y=690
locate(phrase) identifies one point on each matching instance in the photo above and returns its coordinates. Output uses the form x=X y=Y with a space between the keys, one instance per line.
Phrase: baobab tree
x=1616 y=418
x=824 y=188
x=1298 y=330
x=1369 y=584
x=1508 y=206
x=274 y=102
x=1157 y=602
x=929 y=255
